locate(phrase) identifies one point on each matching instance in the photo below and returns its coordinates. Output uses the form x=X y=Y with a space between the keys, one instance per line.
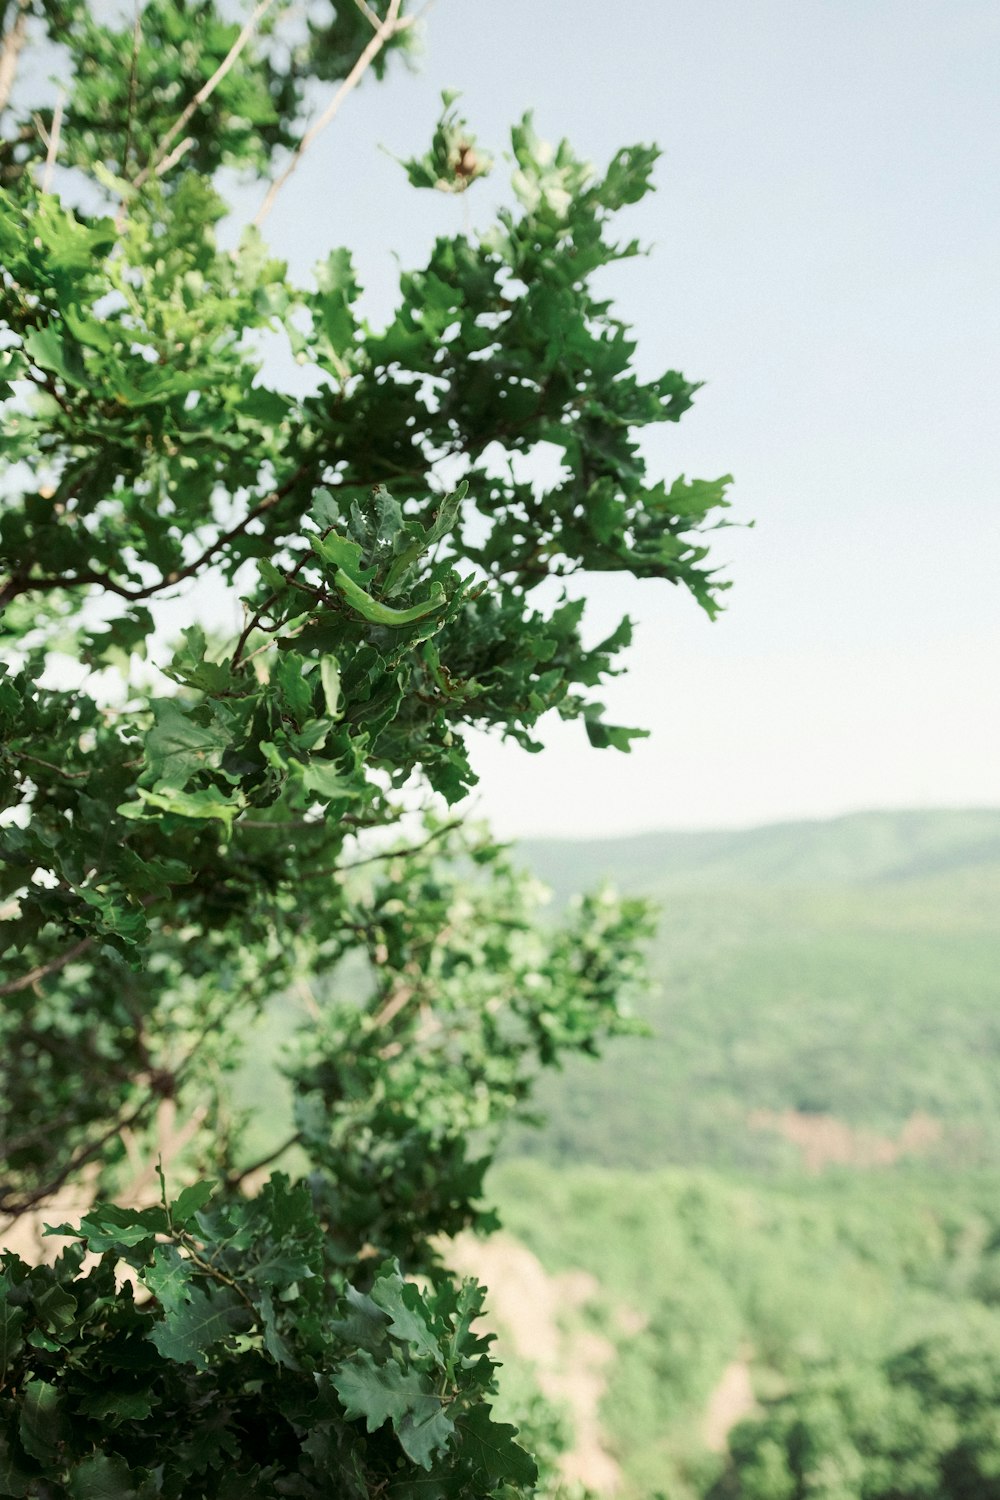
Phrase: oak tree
x=206 y=827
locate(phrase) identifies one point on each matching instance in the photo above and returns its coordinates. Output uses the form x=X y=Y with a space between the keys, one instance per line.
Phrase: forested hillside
x=855 y=849
x=823 y=993
x=767 y=1236
x=692 y=1302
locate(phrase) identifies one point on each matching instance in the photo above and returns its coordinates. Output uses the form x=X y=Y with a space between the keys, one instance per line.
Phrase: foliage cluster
x=193 y=827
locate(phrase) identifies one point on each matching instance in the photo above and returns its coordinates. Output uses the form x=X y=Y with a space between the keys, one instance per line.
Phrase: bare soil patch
x=825 y=1141
x=528 y=1308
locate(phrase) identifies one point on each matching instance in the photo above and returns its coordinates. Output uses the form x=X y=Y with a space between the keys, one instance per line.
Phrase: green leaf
x=103 y=1478
x=272 y=576
x=207 y=804
x=612 y=736
x=338 y=290
x=110 y=1227
x=323 y=778
x=188 y=1332
x=490 y=1448
x=49 y=351
x=189 y=1201
x=115 y=1405
x=178 y=746
x=40 y=1428
x=383 y=614
x=343 y=555
x=15 y=1481
x=329 y=672
x=87 y=330
x=364 y=1325
x=11 y=1321
x=169 y=1277
x=378 y=1392
x=56 y=1308
x=410 y=1318
x=274 y=1342
x=425 y=1431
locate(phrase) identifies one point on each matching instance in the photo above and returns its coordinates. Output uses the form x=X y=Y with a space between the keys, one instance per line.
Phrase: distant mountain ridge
x=825 y=988
x=854 y=849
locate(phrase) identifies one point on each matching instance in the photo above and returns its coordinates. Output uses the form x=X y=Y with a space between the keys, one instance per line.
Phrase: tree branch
x=53 y=144
x=235 y=1178
x=133 y=79
x=36 y=760
x=208 y=88
x=387 y=29
x=14 y=986
x=80 y=1159
x=171 y=161
x=367 y=11
x=20 y=584
x=10 y=51
x=371 y=859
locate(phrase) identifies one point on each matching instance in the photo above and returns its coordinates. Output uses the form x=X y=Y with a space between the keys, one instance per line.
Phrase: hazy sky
x=824 y=254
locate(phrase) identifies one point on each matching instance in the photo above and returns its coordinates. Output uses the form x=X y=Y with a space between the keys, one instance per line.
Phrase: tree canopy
x=256 y=814
x=920 y=1425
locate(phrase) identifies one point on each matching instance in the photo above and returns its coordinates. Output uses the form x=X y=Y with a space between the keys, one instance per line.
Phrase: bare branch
x=36 y=760
x=80 y=1159
x=133 y=80
x=159 y=162
x=367 y=11
x=14 y=986
x=10 y=51
x=371 y=859
x=171 y=161
x=387 y=29
x=396 y=1002
x=53 y=143
x=171 y=1140
x=19 y=583
x=236 y=1178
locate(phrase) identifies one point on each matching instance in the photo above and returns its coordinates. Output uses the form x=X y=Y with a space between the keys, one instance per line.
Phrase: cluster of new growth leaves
x=205 y=825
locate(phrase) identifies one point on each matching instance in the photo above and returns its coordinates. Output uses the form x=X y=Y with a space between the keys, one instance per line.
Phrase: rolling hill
x=825 y=993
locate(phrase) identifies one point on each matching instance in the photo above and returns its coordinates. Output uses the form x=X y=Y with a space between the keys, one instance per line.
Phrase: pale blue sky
x=825 y=249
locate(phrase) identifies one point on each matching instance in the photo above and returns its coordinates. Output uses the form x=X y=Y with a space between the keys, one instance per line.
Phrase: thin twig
x=14 y=986
x=80 y=1159
x=207 y=89
x=238 y=659
x=387 y=29
x=19 y=583
x=175 y=155
x=251 y=625
x=367 y=11
x=133 y=82
x=191 y=1245
x=53 y=149
x=371 y=859
x=279 y=823
x=236 y=1178
x=37 y=761
x=10 y=51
